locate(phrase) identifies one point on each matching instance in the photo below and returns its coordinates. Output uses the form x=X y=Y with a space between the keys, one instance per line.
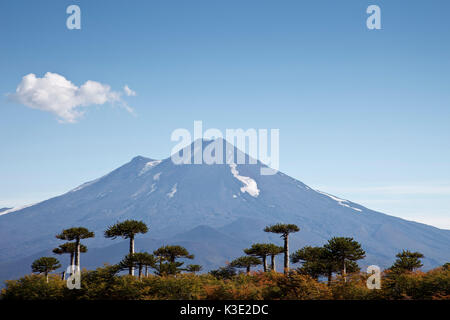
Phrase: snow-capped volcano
x=215 y=210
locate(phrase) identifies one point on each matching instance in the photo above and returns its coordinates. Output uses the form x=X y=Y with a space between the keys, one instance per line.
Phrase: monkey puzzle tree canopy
x=45 y=265
x=126 y=229
x=193 y=268
x=284 y=230
x=313 y=260
x=226 y=272
x=343 y=251
x=171 y=253
x=258 y=249
x=69 y=247
x=137 y=260
x=75 y=234
x=261 y=250
x=166 y=257
x=407 y=261
x=306 y=254
x=273 y=249
x=245 y=262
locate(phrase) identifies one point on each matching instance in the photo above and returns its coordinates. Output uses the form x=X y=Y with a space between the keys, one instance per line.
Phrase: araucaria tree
x=70 y=248
x=273 y=251
x=138 y=260
x=260 y=250
x=193 y=268
x=407 y=261
x=246 y=262
x=127 y=230
x=313 y=260
x=344 y=252
x=227 y=272
x=284 y=230
x=76 y=234
x=166 y=259
x=45 y=265
x=317 y=261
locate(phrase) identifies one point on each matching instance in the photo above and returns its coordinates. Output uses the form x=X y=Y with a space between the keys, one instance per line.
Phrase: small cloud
x=128 y=91
x=54 y=93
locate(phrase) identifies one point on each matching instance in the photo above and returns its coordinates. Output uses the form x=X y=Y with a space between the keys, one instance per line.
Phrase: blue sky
x=363 y=114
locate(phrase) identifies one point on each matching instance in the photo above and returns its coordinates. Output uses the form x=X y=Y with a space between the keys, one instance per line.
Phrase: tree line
x=163 y=260
x=338 y=256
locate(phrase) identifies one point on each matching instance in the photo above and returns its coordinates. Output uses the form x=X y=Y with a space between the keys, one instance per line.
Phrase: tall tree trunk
x=248 y=270
x=272 y=263
x=131 y=269
x=140 y=271
x=330 y=274
x=77 y=254
x=146 y=271
x=264 y=263
x=286 y=254
x=344 y=271
x=46 y=277
x=63 y=275
x=72 y=263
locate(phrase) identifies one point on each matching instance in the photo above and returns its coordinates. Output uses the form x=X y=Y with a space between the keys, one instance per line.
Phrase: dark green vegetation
x=104 y=284
x=45 y=265
x=163 y=274
x=127 y=230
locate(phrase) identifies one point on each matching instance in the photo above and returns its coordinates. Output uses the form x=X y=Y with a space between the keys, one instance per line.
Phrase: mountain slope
x=234 y=202
x=4 y=209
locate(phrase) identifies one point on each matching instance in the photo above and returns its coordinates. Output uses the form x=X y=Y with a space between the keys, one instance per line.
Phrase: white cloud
x=54 y=93
x=128 y=91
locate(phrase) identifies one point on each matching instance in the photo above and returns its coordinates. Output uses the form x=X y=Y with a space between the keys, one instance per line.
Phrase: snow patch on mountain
x=173 y=191
x=153 y=188
x=156 y=176
x=342 y=202
x=103 y=194
x=139 y=192
x=149 y=165
x=250 y=185
x=16 y=209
